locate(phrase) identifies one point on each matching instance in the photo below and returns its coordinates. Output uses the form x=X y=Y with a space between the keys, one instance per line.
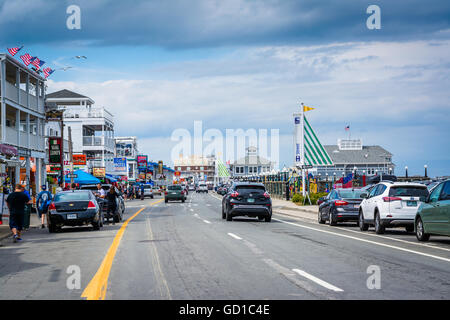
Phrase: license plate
x=71 y=216
x=250 y=200
x=411 y=203
x=356 y=206
x=174 y=193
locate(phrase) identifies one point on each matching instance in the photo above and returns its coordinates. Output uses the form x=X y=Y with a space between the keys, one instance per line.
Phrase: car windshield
x=409 y=191
x=174 y=188
x=72 y=196
x=350 y=194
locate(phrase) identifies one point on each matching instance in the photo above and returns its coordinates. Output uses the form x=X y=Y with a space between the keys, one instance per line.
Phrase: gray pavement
x=186 y=251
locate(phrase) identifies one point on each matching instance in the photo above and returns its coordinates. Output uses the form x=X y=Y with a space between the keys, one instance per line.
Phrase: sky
x=161 y=65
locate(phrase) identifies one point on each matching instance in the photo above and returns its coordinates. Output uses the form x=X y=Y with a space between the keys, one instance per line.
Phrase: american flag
x=26 y=58
x=13 y=51
x=37 y=63
x=347 y=128
x=48 y=72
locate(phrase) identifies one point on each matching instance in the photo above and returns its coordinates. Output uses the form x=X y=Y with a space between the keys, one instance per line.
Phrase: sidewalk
x=288 y=208
x=5 y=232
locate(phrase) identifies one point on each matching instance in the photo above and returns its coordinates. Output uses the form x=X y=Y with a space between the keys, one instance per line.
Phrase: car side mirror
x=364 y=195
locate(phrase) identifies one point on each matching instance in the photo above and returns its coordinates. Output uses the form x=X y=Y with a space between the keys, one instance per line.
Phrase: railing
x=11 y=136
x=98 y=141
x=92 y=113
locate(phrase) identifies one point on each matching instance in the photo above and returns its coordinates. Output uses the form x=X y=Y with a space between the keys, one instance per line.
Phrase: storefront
x=10 y=166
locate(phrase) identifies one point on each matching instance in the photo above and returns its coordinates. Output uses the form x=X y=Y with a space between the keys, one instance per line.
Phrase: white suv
x=202 y=187
x=391 y=204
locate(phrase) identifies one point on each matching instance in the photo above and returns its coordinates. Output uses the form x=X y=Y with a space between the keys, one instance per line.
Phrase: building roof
x=367 y=155
x=64 y=94
x=251 y=160
x=21 y=65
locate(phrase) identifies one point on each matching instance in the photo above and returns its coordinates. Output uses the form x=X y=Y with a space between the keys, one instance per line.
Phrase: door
x=431 y=212
x=369 y=204
x=444 y=201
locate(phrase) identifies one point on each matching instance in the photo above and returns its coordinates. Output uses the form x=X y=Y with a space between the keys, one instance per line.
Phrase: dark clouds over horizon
x=197 y=24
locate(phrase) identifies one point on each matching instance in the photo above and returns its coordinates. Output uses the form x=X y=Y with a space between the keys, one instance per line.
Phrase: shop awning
x=8 y=150
x=83 y=178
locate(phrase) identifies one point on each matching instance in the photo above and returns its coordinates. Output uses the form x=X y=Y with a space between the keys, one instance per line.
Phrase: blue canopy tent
x=111 y=178
x=82 y=178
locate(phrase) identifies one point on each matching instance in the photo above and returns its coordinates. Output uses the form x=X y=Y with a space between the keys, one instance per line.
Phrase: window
x=436 y=192
x=380 y=189
x=409 y=191
x=445 y=195
x=373 y=192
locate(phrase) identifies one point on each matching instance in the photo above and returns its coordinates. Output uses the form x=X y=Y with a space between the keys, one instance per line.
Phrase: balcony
x=92 y=141
x=34 y=103
x=93 y=112
x=36 y=142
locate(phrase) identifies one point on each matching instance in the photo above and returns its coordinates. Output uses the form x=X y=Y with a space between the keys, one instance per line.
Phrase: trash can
x=26 y=218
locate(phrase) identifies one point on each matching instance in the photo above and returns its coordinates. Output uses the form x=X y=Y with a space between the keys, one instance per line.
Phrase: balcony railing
x=98 y=141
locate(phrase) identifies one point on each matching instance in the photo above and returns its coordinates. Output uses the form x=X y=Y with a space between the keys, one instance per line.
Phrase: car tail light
x=267 y=195
x=182 y=191
x=341 y=203
x=166 y=193
x=235 y=194
x=52 y=208
x=390 y=199
x=91 y=205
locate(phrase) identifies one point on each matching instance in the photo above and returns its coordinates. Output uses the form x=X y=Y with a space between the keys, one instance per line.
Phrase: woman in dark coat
x=111 y=197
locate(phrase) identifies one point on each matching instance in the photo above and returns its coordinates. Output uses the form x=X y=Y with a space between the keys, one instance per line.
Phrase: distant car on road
x=202 y=187
x=191 y=187
x=339 y=206
x=148 y=191
x=174 y=192
x=390 y=205
x=74 y=208
x=247 y=199
x=433 y=216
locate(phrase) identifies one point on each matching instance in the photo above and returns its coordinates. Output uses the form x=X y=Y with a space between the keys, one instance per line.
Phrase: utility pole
x=70 y=154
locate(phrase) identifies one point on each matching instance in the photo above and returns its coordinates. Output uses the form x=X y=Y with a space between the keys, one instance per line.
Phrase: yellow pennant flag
x=305 y=108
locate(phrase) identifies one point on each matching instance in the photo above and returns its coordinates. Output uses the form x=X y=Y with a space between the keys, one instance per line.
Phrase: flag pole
x=302 y=149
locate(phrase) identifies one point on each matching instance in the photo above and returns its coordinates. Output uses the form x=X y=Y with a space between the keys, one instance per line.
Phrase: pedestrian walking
x=42 y=203
x=111 y=197
x=16 y=202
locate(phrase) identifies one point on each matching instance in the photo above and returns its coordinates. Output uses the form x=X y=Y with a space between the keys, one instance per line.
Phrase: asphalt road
x=186 y=251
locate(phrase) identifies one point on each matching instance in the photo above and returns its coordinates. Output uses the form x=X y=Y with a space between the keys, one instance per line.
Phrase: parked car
x=391 y=204
x=120 y=202
x=157 y=190
x=202 y=187
x=191 y=187
x=74 y=208
x=339 y=206
x=148 y=191
x=433 y=216
x=247 y=199
x=174 y=192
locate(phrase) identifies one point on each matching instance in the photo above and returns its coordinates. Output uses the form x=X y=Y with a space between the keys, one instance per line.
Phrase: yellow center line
x=96 y=289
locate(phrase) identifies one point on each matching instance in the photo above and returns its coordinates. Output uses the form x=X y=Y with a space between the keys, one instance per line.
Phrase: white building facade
x=92 y=128
x=126 y=147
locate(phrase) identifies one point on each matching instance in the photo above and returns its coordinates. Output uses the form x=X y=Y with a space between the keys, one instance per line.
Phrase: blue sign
x=297 y=120
x=120 y=165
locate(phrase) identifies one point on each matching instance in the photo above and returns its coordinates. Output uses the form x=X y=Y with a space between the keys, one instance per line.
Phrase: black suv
x=247 y=199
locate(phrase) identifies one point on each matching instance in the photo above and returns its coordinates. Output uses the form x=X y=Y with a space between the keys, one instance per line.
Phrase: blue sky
x=160 y=65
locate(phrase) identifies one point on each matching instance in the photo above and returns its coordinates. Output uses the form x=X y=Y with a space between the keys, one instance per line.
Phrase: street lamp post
x=406 y=172
x=426 y=173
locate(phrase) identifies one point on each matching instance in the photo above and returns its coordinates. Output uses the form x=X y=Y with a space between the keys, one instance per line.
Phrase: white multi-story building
x=22 y=122
x=92 y=128
x=126 y=147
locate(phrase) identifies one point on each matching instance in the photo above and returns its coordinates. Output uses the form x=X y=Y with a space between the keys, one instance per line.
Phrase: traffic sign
x=70 y=176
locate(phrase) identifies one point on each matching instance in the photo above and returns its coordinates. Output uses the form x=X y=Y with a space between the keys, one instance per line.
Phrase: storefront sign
x=8 y=150
x=142 y=162
x=99 y=172
x=55 y=150
x=120 y=164
x=79 y=159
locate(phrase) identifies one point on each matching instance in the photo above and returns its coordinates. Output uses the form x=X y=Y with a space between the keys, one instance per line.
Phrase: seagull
x=79 y=57
x=65 y=68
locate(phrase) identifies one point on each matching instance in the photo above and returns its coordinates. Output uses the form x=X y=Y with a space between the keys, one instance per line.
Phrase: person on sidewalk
x=111 y=197
x=16 y=202
x=42 y=203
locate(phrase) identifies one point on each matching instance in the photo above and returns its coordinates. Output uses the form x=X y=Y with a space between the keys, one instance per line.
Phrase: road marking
x=191 y=210
x=400 y=240
x=96 y=289
x=367 y=241
x=214 y=196
x=206 y=221
x=234 y=236
x=317 y=280
x=158 y=265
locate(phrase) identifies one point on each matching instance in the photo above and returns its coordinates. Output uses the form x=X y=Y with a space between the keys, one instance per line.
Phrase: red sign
x=79 y=159
x=177 y=173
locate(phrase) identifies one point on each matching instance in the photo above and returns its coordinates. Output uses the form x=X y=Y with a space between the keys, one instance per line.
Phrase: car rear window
x=147 y=187
x=72 y=196
x=250 y=189
x=174 y=188
x=350 y=194
x=409 y=191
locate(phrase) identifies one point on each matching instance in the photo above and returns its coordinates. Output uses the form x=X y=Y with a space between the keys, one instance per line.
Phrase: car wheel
x=268 y=218
x=182 y=200
x=228 y=216
x=152 y=197
x=409 y=228
x=260 y=218
x=331 y=219
x=362 y=226
x=379 y=229
x=420 y=231
x=321 y=221
x=223 y=213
